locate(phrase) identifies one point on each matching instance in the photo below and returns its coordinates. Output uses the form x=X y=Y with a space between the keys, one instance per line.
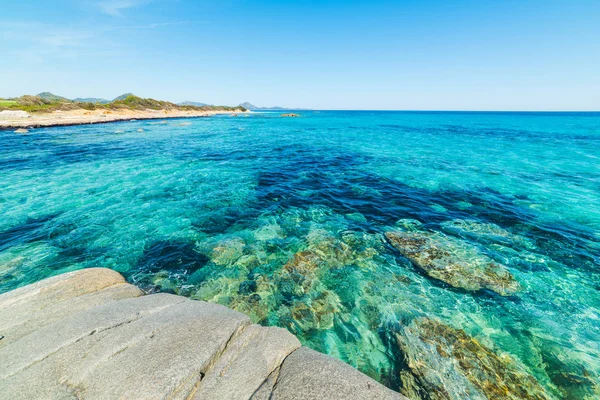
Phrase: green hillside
x=48 y=102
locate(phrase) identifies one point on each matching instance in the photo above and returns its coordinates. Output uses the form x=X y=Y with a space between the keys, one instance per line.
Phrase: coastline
x=90 y=117
x=82 y=334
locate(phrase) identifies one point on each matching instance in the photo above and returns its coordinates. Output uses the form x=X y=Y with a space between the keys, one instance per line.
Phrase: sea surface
x=369 y=235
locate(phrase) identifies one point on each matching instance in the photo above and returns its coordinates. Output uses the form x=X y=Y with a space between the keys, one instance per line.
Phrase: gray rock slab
x=266 y=389
x=171 y=359
x=51 y=338
x=248 y=361
x=308 y=375
x=165 y=352
x=17 y=325
x=20 y=304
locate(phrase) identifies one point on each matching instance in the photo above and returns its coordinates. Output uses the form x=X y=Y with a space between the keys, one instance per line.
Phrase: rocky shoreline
x=90 y=335
x=10 y=120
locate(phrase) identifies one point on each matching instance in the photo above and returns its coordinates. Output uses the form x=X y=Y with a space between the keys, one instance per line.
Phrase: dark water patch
x=87 y=152
x=30 y=231
x=337 y=182
x=171 y=256
x=222 y=221
x=405 y=128
x=392 y=378
x=13 y=163
x=166 y=266
x=248 y=287
x=73 y=252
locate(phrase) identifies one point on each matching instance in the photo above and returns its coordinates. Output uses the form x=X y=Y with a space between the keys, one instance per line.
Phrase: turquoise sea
x=433 y=251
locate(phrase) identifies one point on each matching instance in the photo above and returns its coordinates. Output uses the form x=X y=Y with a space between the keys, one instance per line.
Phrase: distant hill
x=91 y=100
x=123 y=96
x=252 y=107
x=248 y=106
x=48 y=102
x=192 y=103
x=52 y=97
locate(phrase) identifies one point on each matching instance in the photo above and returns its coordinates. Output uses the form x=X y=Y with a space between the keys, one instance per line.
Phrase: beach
x=22 y=120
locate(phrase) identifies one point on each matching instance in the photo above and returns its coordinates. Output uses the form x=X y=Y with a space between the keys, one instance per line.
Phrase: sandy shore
x=79 y=117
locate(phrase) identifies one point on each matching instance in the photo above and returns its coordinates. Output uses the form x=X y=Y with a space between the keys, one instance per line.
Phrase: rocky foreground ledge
x=90 y=335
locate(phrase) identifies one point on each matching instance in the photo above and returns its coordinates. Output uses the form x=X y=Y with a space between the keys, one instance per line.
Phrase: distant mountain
x=192 y=103
x=248 y=106
x=52 y=97
x=91 y=100
x=123 y=96
x=252 y=107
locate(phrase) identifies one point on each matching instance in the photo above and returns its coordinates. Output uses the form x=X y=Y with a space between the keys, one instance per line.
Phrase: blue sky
x=457 y=55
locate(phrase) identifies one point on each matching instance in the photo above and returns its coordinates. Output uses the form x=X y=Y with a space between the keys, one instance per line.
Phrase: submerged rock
x=445 y=363
x=21 y=130
x=309 y=303
x=228 y=251
x=304 y=262
x=317 y=313
x=269 y=232
x=571 y=377
x=484 y=232
x=453 y=261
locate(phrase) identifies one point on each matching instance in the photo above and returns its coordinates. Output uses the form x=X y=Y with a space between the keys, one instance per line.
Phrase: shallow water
x=285 y=219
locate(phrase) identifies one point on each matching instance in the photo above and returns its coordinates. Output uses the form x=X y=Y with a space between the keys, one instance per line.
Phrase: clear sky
x=328 y=54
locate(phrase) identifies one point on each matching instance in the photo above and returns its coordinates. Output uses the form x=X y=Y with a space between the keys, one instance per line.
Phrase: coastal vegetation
x=7 y=103
x=48 y=102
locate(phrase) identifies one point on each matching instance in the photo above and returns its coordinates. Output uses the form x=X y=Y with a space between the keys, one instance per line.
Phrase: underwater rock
x=445 y=363
x=164 y=284
x=356 y=217
x=248 y=261
x=323 y=251
x=21 y=130
x=269 y=232
x=484 y=232
x=334 y=252
x=573 y=380
x=300 y=274
x=314 y=313
x=304 y=262
x=453 y=261
x=228 y=251
x=309 y=304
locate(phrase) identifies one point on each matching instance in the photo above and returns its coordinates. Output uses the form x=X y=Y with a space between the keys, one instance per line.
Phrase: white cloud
x=65 y=39
x=37 y=42
x=116 y=7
